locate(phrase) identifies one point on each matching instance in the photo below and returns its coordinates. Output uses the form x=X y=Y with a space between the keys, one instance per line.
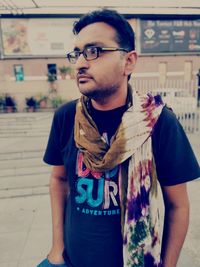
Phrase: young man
x=107 y=151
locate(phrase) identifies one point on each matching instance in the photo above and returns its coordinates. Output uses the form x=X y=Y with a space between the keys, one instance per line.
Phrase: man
x=107 y=150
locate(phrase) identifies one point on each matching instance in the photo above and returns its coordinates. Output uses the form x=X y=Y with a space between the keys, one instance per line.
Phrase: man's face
x=104 y=75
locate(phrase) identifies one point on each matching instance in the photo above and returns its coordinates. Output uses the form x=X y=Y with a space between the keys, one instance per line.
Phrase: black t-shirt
x=92 y=230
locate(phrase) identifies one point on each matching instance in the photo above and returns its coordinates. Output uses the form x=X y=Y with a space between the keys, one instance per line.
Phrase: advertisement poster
x=169 y=36
x=36 y=37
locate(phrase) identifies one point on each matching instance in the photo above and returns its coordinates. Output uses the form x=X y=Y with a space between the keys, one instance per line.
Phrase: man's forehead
x=98 y=33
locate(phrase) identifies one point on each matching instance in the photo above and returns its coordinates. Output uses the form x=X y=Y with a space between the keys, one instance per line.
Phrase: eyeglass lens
x=88 y=53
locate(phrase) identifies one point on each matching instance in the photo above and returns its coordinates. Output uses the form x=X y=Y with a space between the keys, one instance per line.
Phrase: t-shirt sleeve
x=174 y=158
x=52 y=153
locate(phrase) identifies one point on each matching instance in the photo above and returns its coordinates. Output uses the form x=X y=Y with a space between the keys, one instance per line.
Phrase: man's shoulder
x=167 y=118
x=166 y=125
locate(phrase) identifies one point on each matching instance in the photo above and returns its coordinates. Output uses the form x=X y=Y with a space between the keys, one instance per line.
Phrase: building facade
x=32 y=45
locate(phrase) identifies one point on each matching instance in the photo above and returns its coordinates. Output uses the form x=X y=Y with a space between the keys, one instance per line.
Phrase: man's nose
x=81 y=63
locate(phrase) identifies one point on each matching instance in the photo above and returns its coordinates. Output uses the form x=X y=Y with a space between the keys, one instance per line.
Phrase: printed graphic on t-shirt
x=96 y=193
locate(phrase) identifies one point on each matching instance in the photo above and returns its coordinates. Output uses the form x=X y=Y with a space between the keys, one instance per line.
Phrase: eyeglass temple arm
x=113 y=49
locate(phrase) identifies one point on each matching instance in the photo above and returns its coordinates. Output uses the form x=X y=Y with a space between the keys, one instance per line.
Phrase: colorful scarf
x=132 y=148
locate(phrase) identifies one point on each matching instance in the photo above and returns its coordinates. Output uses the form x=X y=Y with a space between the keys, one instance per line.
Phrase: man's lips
x=83 y=77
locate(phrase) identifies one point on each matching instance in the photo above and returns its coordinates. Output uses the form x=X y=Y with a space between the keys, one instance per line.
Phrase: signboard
x=36 y=37
x=169 y=36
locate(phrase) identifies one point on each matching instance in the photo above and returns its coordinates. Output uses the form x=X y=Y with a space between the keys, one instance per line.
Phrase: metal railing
x=180 y=95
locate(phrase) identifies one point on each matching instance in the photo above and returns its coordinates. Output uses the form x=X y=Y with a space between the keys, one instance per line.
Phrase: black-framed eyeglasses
x=91 y=53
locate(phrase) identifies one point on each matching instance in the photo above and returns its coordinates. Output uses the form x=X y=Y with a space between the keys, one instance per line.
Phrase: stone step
x=25 y=130
x=25 y=117
x=13 y=126
x=21 y=163
x=25 y=181
x=26 y=125
x=21 y=126
x=15 y=120
x=33 y=130
x=27 y=185
x=11 y=172
x=15 y=123
x=24 y=134
x=6 y=119
x=18 y=126
x=12 y=155
x=23 y=192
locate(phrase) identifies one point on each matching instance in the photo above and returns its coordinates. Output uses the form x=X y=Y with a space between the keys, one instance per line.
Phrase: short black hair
x=125 y=36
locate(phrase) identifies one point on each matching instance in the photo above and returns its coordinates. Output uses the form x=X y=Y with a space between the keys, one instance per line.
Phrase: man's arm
x=176 y=222
x=58 y=190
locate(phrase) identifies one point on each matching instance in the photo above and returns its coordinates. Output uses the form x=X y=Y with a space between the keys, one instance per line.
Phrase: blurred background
x=35 y=79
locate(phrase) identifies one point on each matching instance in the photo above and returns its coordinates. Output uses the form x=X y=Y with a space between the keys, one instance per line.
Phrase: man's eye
x=76 y=54
x=92 y=50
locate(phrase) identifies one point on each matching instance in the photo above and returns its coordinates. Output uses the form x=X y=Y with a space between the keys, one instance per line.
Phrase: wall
x=36 y=69
x=20 y=90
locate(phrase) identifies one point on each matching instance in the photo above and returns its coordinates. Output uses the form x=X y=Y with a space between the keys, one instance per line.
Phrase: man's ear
x=131 y=59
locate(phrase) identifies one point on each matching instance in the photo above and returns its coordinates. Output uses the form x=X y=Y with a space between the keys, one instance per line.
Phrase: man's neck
x=111 y=102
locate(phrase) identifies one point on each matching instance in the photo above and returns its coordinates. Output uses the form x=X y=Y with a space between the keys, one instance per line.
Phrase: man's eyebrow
x=95 y=44
x=76 y=48
x=89 y=44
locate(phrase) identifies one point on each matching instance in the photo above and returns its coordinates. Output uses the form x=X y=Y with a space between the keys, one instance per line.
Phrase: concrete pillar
x=188 y=71
x=162 y=72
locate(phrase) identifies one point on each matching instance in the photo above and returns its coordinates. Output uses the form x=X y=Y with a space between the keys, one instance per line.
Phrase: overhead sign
x=36 y=37
x=169 y=36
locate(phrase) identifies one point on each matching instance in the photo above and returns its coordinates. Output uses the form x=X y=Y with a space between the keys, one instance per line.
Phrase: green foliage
x=65 y=69
x=40 y=97
x=51 y=77
x=56 y=101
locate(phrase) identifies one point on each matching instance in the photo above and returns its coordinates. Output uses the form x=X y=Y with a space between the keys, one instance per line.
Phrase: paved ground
x=25 y=231
x=25 y=222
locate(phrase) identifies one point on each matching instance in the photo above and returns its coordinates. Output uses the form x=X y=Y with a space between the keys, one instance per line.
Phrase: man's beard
x=101 y=93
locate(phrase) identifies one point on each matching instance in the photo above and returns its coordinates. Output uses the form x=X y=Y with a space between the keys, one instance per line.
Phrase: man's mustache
x=83 y=72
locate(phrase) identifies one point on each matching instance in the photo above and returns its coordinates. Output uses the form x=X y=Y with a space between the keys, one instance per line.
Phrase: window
x=52 y=69
x=19 y=72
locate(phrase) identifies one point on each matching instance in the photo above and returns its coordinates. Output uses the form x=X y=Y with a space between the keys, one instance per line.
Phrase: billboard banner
x=36 y=37
x=169 y=36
